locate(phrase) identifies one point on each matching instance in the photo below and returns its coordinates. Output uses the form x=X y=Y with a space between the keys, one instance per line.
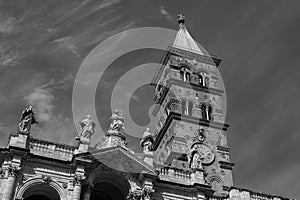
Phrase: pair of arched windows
x=187 y=109
x=185 y=74
x=203 y=80
x=206 y=111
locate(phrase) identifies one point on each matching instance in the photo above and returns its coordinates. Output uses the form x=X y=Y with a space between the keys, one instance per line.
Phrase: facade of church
x=185 y=158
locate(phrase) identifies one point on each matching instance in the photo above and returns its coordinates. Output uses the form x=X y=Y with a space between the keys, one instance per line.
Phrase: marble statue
x=196 y=162
x=27 y=120
x=87 y=128
x=117 y=121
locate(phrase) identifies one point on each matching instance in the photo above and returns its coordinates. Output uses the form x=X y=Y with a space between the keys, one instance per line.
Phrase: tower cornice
x=211 y=60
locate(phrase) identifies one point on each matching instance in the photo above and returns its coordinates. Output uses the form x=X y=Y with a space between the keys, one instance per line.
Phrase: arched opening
x=41 y=192
x=206 y=81
x=183 y=107
x=209 y=111
x=185 y=74
x=203 y=111
x=190 y=108
x=106 y=191
x=200 y=80
x=181 y=75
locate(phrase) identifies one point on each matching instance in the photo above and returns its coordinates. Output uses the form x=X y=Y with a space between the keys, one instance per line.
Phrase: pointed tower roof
x=184 y=40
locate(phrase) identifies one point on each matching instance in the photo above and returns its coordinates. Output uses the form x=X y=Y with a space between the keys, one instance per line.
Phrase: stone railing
x=51 y=149
x=176 y=175
x=260 y=196
x=245 y=194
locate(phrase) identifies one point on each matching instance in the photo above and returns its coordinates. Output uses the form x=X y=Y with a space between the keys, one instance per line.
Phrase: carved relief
x=46 y=179
x=77 y=180
x=13 y=170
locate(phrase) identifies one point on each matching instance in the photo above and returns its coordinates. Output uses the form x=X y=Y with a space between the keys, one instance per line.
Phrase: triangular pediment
x=120 y=159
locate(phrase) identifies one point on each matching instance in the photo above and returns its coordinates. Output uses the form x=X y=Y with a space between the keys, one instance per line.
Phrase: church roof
x=124 y=160
x=184 y=40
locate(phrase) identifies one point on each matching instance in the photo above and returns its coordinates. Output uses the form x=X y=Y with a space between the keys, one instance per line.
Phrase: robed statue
x=87 y=128
x=195 y=162
x=27 y=120
x=117 y=121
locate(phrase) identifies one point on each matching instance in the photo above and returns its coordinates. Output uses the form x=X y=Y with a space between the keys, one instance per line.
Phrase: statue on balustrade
x=87 y=128
x=27 y=120
x=117 y=122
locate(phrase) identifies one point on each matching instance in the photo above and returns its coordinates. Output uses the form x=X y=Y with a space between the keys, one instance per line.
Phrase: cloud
x=167 y=15
x=9 y=56
x=5 y=130
x=105 y=4
x=66 y=43
x=8 y=25
x=42 y=100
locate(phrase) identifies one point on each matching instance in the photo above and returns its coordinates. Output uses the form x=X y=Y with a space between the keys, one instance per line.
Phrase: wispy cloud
x=43 y=101
x=8 y=25
x=66 y=43
x=167 y=15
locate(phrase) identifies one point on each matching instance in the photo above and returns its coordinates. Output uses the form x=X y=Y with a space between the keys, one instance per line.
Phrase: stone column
x=77 y=189
x=9 y=187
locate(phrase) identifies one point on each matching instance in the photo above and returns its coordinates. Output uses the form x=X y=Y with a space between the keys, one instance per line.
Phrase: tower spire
x=183 y=39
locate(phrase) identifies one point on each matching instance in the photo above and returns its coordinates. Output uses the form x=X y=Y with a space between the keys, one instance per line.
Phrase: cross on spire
x=181 y=19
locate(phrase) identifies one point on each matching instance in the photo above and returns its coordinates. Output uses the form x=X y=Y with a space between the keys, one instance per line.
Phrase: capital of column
x=147 y=193
x=134 y=195
x=77 y=181
x=13 y=171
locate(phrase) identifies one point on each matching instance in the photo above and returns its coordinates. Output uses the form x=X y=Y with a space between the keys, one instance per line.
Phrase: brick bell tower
x=190 y=113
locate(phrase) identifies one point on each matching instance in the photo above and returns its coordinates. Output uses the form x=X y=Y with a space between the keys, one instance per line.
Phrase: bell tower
x=190 y=113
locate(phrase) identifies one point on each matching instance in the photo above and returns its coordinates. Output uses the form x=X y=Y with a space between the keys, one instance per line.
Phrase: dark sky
x=42 y=45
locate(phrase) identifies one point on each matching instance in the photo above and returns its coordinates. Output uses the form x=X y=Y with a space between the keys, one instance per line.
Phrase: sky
x=43 y=44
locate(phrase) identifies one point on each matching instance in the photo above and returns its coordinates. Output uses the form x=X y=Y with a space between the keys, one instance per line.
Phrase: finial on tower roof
x=181 y=19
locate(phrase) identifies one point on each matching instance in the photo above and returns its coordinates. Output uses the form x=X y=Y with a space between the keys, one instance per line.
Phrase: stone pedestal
x=198 y=177
x=18 y=140
x=83 y=145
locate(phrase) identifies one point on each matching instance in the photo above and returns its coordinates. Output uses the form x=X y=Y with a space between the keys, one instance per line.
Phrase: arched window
x=181 y=75
x=206 y=81
x=188 y=76
x=190 y=108
x=203 y=111
x=200 y=80
x=185 y=74
x=183 y=107
x=209 y=111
